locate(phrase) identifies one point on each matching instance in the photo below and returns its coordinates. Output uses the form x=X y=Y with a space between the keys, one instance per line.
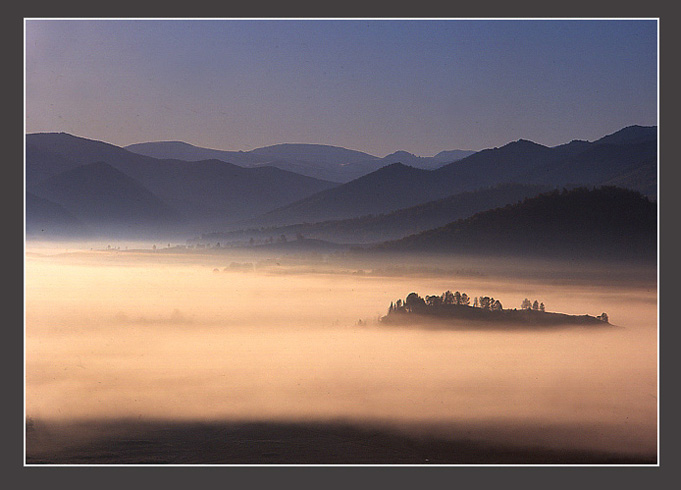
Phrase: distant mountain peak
x=401 y=154
x=526 y=143
x=630 y=134
x=299 y=145
x=161 y=142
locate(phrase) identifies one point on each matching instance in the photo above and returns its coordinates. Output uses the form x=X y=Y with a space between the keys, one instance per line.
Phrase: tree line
x=413 y=302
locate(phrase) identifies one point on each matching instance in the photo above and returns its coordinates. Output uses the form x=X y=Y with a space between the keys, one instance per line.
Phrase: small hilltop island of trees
x=459 y=306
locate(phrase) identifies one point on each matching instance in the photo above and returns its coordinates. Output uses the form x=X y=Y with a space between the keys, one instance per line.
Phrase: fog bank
x=189 y=338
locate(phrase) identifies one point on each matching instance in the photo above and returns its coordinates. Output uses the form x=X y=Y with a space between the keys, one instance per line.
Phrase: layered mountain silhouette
x=377 y=228
x=390 y=188
x=326 y=162
x=602 y=223
x=448 y=156
x=101 y=185
x=628 y=158
x=99 y=195
x=204 y=194
x=45 y=218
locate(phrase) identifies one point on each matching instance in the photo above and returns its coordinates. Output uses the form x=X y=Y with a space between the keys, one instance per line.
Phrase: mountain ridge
x=326 y=162
x=207 y=193
x=606 y=222
x=521 y=161
x=210 y=195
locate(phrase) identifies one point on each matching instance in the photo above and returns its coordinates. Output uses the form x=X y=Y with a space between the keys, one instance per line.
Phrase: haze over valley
x=341 y=242
x=283 y=324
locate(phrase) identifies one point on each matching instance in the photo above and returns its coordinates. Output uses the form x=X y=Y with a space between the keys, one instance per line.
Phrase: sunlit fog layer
x=163 y=335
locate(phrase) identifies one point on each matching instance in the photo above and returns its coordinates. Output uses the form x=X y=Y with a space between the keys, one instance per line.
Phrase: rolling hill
x=326 y=162
x=102 y=197
x=390 y=188
x=205 y=194
x=213 y=195
x=628 y=157
x=45 y=218
x=577 y=163
x=603 y=223
x=377 y=228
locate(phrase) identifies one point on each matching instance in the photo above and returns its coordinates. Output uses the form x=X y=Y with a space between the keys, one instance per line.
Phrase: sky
x=371 y=85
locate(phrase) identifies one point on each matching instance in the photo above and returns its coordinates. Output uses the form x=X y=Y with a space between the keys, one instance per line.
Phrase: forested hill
x=604 y=223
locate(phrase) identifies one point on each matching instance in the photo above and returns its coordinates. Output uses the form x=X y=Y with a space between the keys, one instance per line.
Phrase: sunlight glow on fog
x=144 y=336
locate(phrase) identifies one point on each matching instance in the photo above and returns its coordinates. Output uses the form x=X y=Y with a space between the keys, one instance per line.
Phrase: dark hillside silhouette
x=46 y=218
x=493 y=166
x=576 y=163
x=603 y=223
x=627 y=157
x=599 y=163
x=98 y=194
x=400 y=223
x=390 y=188
x=630 y=135
x=204 y=193
x=41 y=164
x=213 y=195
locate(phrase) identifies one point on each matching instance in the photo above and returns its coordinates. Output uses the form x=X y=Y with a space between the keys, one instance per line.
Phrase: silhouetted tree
x=542 y=307
x=457 y=298
x=414 y=302
x=448 y=298
x=465 y=300
x=526 y=304
x=433 y=300
x=475 y=302
x=497 y=305
x=603 y=317
x=535 y=305
x=486 y=302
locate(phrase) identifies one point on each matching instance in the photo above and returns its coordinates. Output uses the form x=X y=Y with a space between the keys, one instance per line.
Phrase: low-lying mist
x=172 y=335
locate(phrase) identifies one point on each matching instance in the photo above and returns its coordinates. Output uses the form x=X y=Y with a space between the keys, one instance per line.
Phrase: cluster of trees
x=281 y=239
x=529 y=305
x=459 y=305
x=414 y=302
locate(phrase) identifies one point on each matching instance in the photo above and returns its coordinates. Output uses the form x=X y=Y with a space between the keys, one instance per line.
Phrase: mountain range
x=104 y=187
x=627 y=158
x=99 y=195
x=203 y=195
x=325 y=162
x=389 y=226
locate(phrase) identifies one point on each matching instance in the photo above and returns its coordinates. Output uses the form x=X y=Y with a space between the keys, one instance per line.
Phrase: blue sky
x=373 y=85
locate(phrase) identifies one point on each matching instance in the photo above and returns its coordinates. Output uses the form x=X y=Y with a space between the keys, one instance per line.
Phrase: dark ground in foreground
x=280 y=443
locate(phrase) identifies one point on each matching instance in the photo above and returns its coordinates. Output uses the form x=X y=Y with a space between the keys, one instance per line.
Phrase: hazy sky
x=371 y=85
